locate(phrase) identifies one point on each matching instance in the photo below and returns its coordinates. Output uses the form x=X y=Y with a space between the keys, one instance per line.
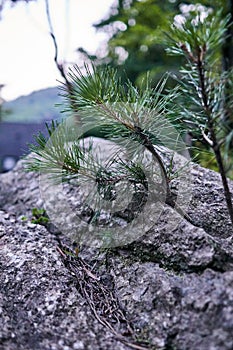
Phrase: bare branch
x=60 y=66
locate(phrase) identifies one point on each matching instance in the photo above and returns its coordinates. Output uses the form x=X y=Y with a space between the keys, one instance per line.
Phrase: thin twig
x=60 y=66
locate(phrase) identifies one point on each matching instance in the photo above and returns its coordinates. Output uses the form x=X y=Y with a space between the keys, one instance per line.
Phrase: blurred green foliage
x=137 y=35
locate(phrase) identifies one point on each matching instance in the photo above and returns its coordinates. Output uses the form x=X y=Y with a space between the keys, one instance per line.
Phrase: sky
x=27 y=51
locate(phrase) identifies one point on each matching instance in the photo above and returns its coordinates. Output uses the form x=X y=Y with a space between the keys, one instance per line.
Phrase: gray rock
x=172 y=288
x=40 y=307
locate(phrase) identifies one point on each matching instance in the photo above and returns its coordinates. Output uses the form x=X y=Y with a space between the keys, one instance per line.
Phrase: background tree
x=137 y=31
x=135 y=37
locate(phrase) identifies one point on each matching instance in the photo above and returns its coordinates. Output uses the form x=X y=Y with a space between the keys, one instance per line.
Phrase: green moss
x=39 y=216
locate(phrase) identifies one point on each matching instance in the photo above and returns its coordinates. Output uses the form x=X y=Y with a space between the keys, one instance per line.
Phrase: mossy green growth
x=39 y=216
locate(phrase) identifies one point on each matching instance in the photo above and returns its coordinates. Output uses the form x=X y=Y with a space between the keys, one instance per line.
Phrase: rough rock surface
x=173 y=286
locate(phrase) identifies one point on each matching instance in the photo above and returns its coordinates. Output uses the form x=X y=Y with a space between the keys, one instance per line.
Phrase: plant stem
x=215 y=144
x=150 y=147
x=227 y=192
x=170 y=197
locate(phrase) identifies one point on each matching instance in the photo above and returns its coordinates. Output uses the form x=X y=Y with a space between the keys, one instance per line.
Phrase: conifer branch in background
x=204 y=85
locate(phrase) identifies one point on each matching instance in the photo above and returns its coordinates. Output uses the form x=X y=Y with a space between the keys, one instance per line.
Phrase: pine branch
x=204 y=84
x=215 y=145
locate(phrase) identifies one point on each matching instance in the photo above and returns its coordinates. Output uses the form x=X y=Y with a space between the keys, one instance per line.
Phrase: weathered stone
x=174 y=284
x=40 y=307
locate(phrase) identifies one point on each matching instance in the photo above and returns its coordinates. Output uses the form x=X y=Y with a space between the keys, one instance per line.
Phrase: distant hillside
x=36 y=107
